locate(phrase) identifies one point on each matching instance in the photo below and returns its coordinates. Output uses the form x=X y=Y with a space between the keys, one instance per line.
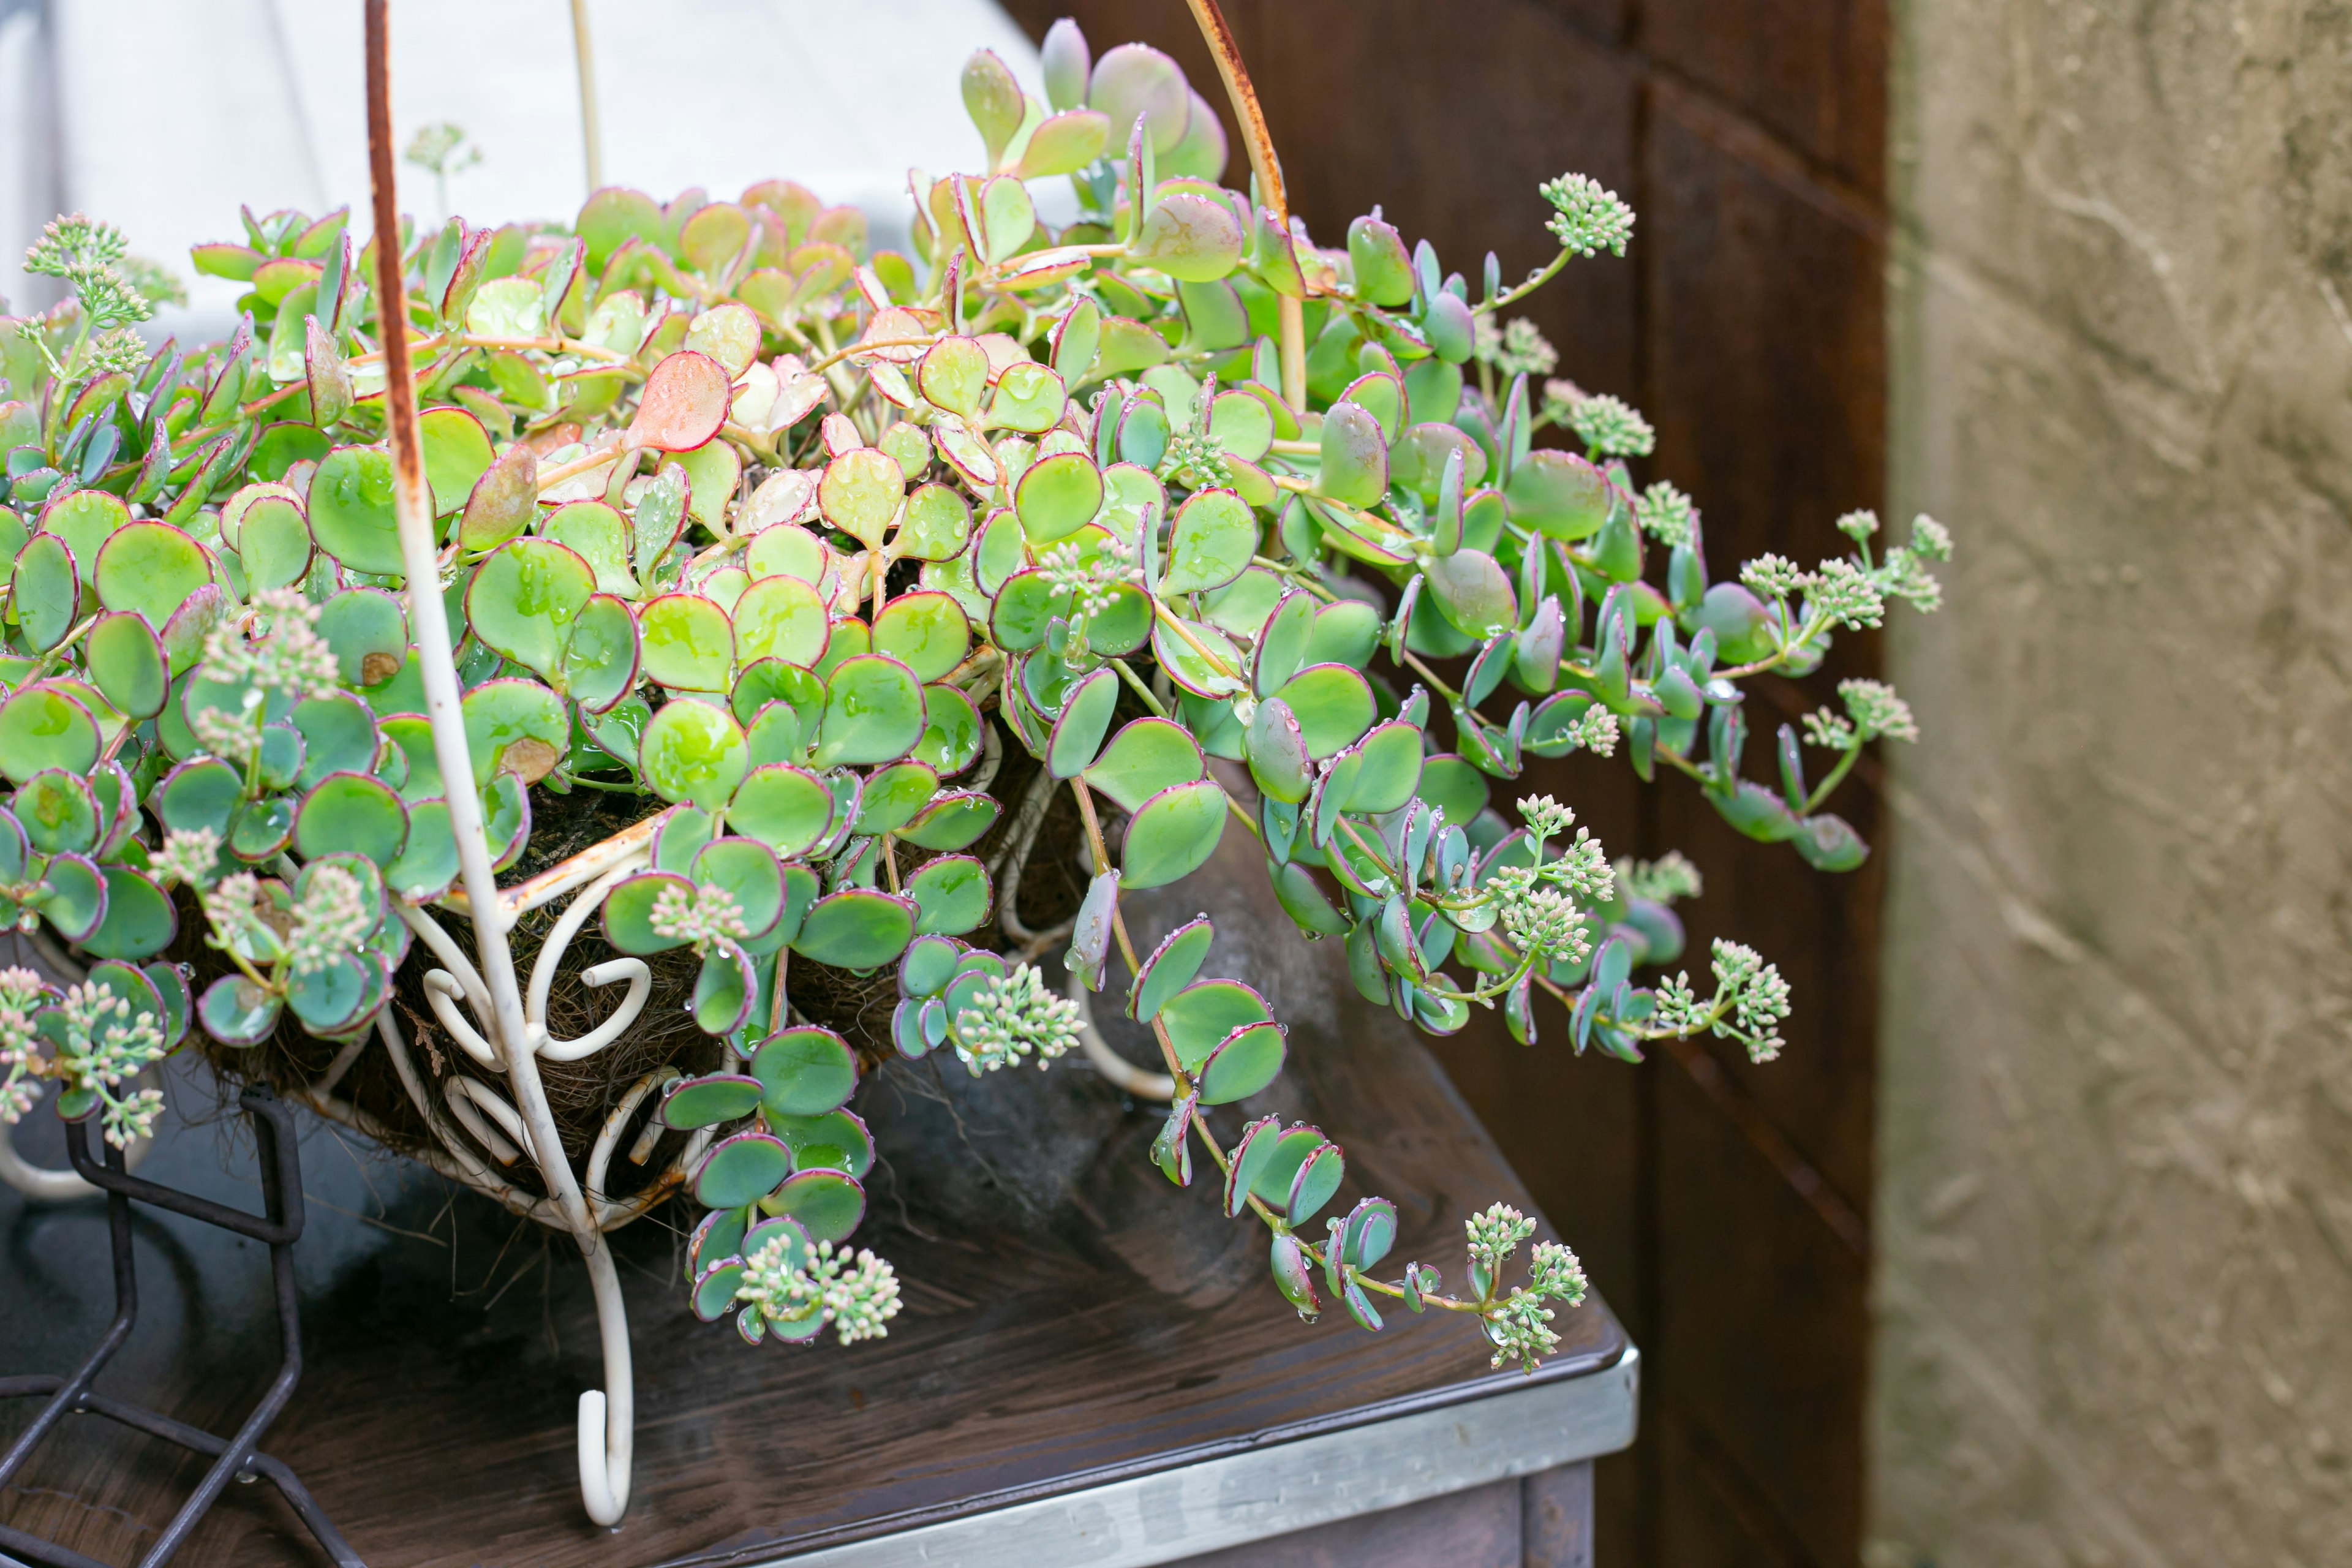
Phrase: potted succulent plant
x=771 y=612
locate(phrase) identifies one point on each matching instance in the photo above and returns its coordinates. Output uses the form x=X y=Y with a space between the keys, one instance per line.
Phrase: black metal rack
x=237 y=1457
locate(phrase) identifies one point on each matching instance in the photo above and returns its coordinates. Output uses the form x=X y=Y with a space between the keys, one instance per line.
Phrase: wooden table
x=1091 y=1366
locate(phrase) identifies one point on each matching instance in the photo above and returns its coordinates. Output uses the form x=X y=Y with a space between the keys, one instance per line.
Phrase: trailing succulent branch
x=785 y=535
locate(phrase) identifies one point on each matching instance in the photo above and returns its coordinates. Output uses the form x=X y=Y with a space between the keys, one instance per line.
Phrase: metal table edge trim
x=1236 y=1499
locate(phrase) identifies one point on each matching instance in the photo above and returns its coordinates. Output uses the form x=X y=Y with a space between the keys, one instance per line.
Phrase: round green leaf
x=185 y=633
x=150 y=569
x=719 y=1235
x=953 y=894
x=1028 y=397
x=1170 y=968
x=1057 y=495
x=140 y=920
x=1282 y=642
x=83 y=520
x=1558 y=494
x=952 y=821
x=1146 y=756
x=457 y=452
x=1244 y=1063
x=515 y=726
x=692 y=752
x=1191 y=239
x=724 y=989
x=1390 y=771
x=723 y=1096
x=892 y=795
x=369 y=632
x=1024 y=606
x=951 y=737
x=1241 y=423
x=47 y=591
x=1142 y=437
x=1370 y=1232
x=42 y=727
x=1454 y=787
x=1200 y=1016
x=837 y=1140
x=742 y=1170
x=780 y=617
x=58 y=811
x=783 y=806
x=504 y=501
x=791 y=550
x=857 y=928
x=845 y=639
x=1213 y=674
x=1078 y=734
x=237 y=1012
x=261 y=828
x=600 y=660
x=687 y=642
x=74 y=896
x=523 y=598
x=273 y=544
x=1332 y=704
x=1283 y=1156
x=351 y=510
x=861 y=493
x=199 y=795
x=1355 y=457
x=937 y=527
x=926 y=632
x=1318 y=1177
x=873 y=712
x=354 y=812
x=598 y=535
x=1278 y=759
x=125 y=657
x=828 y=1203
x=1172 y=834
x=1215 y=535
x=928 y=965
x=1473 y=592
x=804 y=1071
x=427 y=865
x=953 y=374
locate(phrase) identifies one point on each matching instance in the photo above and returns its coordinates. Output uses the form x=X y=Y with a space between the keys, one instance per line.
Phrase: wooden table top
x=1070 y=1318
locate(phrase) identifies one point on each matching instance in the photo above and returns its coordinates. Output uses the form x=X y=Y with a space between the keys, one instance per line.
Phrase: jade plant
x=794 y=539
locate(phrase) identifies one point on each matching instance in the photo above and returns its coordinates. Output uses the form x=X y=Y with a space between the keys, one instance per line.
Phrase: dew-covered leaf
x=1174 y=834
x=951 y=893
x=1146 y=757
x=692 y=752
x=857 y=928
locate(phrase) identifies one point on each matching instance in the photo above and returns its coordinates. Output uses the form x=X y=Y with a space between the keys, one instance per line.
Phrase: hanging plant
x=797 y=600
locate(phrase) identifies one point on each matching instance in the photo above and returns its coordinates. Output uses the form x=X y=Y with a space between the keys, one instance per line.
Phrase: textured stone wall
x=2115 y=1204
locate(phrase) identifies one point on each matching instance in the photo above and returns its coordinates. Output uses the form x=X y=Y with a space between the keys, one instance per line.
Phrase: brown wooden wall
x=1722 y=1208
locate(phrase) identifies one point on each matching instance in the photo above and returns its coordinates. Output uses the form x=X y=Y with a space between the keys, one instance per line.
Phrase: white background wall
x=162 y=115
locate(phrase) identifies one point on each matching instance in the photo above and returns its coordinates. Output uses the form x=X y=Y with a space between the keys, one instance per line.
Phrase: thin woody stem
x=1219 y=36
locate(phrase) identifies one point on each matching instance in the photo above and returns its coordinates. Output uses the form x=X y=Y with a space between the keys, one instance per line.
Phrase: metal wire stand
x=233 y=1458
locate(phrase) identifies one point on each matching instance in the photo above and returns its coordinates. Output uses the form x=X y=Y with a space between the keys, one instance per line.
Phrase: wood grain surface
x=1070 y=1317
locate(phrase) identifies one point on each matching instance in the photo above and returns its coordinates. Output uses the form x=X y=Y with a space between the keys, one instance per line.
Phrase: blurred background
x=2034 y=1248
